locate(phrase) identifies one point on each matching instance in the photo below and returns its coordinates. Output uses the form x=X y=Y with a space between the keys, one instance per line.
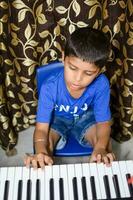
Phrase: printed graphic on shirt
x=71 y=110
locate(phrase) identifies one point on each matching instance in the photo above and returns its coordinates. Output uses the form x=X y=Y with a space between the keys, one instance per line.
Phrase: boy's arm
x=103 y=135
x=41 y=138
x=102 y=151
x=41 y=144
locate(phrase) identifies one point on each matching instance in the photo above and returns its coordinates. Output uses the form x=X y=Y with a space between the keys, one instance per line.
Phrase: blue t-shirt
x=55 y=99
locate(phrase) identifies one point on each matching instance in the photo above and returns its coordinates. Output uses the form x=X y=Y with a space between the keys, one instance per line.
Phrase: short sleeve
x=45 y=104
x=102 y=102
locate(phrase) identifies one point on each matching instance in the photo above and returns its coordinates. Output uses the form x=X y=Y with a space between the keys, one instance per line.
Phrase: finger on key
x=106 y=160
x=111 y=157
x=99 y=158
x=27 y=161
x=48 y=160
x=34 y=163
x=41 y=162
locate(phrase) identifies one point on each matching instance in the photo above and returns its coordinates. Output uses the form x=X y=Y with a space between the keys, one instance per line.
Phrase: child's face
x=78 y=74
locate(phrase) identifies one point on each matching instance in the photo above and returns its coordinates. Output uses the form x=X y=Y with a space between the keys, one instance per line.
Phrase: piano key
x=3 y=178
x=6 y=190
x=17 y=177
x=93 y=187
x=129 y=166
x=25 y=178
x=51 y=191
x=10 y=178
x=41 y=177
x=64 y=176
x=56 y=176
x=75 y=188
x=101 y=173
x=123 y=170
x=116 y=184
x=130 y=186
x=48 y=176
x=84 y=188
x=71 y=174
x=107 y=188
x=78 y=174
x=33 y=178
x=109 y=173
x=86 y=174
x=29 y=190
x=37 y=189
x=61 y=189
x=19 y=192
x=94 y=173
x=116 y=170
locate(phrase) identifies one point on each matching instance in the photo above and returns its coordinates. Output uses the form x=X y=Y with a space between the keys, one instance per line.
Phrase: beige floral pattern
x=33 y=33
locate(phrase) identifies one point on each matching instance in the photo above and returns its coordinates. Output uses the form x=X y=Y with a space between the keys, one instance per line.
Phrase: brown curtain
x=32 y=33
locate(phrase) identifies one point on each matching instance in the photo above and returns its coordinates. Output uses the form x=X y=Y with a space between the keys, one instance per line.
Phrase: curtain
x=33 y=33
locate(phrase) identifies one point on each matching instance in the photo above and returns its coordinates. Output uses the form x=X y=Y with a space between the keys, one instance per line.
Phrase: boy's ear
x=63 y=56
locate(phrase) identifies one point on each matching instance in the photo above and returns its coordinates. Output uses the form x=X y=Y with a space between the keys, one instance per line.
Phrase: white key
x=109 y=173
x=123 y=170
x=101 y=173
x=86 y=173
x=3 y=178
x=116 y=170
x=93 y=172
x=25 y=175
x=18 y=176
x=129 y=164
x=33 y=178
x=10 y=177
x=48 y=176
x=63 y=174
x=78 y=174
x=56 y=176
x=41 y=177
x=71 y=174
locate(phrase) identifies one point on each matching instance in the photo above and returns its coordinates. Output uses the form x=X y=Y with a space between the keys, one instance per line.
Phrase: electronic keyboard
x=86 y=181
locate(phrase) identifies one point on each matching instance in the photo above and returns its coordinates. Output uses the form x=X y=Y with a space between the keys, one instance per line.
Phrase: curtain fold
x=33 y=33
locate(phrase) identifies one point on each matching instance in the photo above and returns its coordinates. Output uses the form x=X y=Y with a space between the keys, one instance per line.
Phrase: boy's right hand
x=38 y=160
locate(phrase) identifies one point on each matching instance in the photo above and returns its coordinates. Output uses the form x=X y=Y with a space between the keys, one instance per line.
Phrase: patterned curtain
x=33 y=33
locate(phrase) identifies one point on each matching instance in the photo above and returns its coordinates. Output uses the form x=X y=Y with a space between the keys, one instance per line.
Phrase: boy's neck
x=76 y=94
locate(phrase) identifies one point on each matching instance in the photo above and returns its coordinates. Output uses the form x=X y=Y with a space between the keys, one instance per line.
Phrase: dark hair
x=90 y=45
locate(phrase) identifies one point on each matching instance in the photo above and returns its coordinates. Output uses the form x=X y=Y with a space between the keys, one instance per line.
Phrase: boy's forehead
x=79 y=63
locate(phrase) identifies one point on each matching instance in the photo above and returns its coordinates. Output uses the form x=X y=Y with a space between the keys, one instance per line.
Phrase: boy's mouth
x=74 y=86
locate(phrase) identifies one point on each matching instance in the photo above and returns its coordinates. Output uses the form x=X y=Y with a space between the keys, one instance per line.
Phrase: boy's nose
x=78 y=77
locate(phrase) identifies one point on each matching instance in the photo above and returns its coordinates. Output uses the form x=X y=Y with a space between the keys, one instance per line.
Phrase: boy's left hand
x=101 y=155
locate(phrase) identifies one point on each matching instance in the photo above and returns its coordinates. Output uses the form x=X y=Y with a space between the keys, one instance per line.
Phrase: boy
x=76 y=99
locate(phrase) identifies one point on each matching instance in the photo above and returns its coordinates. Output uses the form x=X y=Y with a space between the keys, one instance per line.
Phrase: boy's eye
x=88 y=74
x=72 y=68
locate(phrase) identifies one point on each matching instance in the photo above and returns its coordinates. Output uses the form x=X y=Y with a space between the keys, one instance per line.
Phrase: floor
x=123 y=151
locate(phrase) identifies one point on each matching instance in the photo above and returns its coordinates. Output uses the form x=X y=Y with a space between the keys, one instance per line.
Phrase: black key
x=107 y=188
x=75 y=189
x=84 y=190
x=51 y=189
x=61 y=188
x=37 y=189
x=130 y=186
x=116 y=186
x=93 y=187
x=20 y=185
x=28 y=195
x=6 y=190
